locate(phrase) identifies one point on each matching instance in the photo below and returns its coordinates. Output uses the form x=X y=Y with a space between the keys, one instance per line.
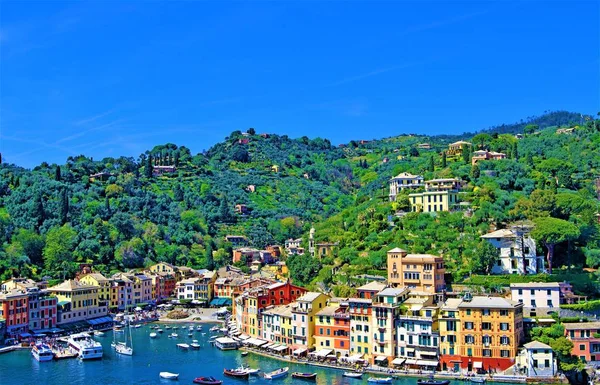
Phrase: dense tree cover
x=53 y=217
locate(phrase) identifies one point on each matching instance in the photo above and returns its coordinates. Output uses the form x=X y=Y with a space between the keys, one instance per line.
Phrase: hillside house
x=424 y=146
x=514 y=245
x=457 y=148
x=160 y=170
x=486 y=155
x=439 y=195
x=241 y=209
x=403 y=181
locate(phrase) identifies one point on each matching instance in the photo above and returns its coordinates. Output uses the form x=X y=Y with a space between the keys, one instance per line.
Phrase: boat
x=353 y=374
x=236 y=373
x=282 y=372
x=99 y=334
x=214 y=329
x=123 y=347
x=42 y=352
x=478 y=380
x=244 y=354
x=190 y=335
x=199 y=327
x=169 y=375
x=153 y=335
x=207 y=381
x=431 y=381
x=305 y=376
x=380 y=380
x=118 y=329
x=85 y=347
x=248 y=370
x=168 y=327
x=159 y=330
x=183 y=346
x=195 y=345
x=174 y=335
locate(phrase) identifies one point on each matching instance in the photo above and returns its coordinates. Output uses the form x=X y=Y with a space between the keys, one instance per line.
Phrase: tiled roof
x=489 y=302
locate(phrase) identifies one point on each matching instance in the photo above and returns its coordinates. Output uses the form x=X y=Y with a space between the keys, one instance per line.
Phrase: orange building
x=421 y=272
x=332 y=328
x=586 y=344
x=14 y=308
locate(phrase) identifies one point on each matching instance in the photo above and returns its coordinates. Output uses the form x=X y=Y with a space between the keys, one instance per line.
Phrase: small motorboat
x=305 y=376
x=137 y=326
x=380 y=380
x=199 y=327
x=478 y=380
x=195 y=345
x=207 y=381
x=174 y=335
x=248 y=370
x=168 y=327
x=190 y=335
x=153 y=335
x=159 y=330
x=236 y=373
x=244 y=354
x=99 y=334
x=431 y=381
x=214 y=329
x=183 y=346
x=353 y=374
x=282 y=372
x=169 y=375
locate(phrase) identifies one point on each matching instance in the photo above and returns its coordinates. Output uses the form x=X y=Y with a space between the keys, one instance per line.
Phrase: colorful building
x=404 y=181
x=457 y=148
x=42 y=309
x=369 y=290
x=277 y=327
x=450 y=332
x=386 y=310
x=121 y=292
x=360 y=310
x=332 y=328
x=103 y=283
x=585 y=343
x=517 y=251
x=418 y=333
x=14 y=309
x=77 y=302
x=536 y=296
x=420 y=272
x=303 y=322
x=536 y=360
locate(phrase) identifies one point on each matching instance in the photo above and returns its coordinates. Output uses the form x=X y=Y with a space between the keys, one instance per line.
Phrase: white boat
x=248 y=370
x=195 y=345
x=190 y=335
x=85 y=347
x=199 y=327
x=277 y=373
x=214 y=329
x=125 y=347
x=174 y=335
x=98 y=334
x=183 y=346
x=153 y=335
x=42 y=352
x=353 y=374
x=159 y=330
x=168 y=327
x=137 y=326
x=169 y=375
x=380 y=380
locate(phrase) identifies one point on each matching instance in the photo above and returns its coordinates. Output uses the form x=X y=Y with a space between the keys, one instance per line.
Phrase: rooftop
x=328 y=311
x=407 y=175
x=489 y=302
x=397 y=250
x=309 y=296
x=531 y=285
x=392 y=292
x=452 y=304
x=71 y=285
x=536 y=345
x=582 y=326
x=284 y=310
x=420 y=258
x=97 y=276
x=502 y=233
x=372 y=286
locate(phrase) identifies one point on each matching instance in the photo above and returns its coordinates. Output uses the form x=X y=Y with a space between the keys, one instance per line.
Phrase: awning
x=24 y=335
x=323 y=352
x=258 y=342
x=410 y=349
x=244 y=337
x=268 y=346
x=62 y=303
x=380 y=358
x=410 y=361
x=101 y=320
x=280 y=348
x=398 y=361
x=477 y=364
x=427 y=363
x=429 y=354
x=299 y=351
x=355 y=357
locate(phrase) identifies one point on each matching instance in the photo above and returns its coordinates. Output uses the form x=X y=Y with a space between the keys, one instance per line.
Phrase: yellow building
x=360 y=310
x=449 y=324
x=303 y=315
x=490 y=333
x=77 y=302
x=457 y=148
x=439 y=195
x=103 y=283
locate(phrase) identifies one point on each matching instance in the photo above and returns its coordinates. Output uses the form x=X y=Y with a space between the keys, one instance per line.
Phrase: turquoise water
x=152 y=356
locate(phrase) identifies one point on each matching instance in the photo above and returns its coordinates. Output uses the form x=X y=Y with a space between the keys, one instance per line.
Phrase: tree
x=57 y=176
x=530 y=129
x=475 y=172
x=251 y=131
x=552 y=231
x=241 y=155
x=466 y=153
x=224 y=210
x=176 y=158
x=38 y=212
x=210 y=263
x=444 y=163
x=60 y=244
x=64 y=206
x=303 y=268
x=31 y=244
x=515 y=151
x=482 y=139
x=484 y=257
x=413 y=152
x=178 y=192
x=148 y=167
x=431 y=166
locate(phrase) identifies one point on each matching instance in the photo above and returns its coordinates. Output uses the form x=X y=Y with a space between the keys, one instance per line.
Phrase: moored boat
x=169 y=375
x=353 y=374
x=380 y=380
x=248 y=370
x=244 y=354
x=236 y=373
x=282 y=372
x=431 y=381
x=214 y=329
x=159 y=330
x=477 y=380
x=42 y=352
x=195 y=345
x=153 y=335
x=305 y=376
x=183 y=346
x=85 y=347
x=207 y=381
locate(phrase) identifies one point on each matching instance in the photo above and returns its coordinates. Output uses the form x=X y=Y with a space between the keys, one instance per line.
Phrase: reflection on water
x=152 y=356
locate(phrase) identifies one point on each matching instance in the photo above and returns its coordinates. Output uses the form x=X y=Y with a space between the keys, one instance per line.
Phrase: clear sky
x=116 y=78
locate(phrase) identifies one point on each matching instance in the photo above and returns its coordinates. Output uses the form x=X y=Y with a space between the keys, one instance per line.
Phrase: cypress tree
x=466 y=153
x=38 y=211
x=444 y=162
x=57 y=175
x=224 y=210
x=176 y=159
x=475 y=172
x=107 y=206
x=148 y=168
x=210 y=262
x=178 y=192
x=431 y=167
x=515 y=151
x=64 y=207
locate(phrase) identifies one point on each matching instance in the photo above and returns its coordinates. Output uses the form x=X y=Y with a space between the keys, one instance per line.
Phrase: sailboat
x=122 y=347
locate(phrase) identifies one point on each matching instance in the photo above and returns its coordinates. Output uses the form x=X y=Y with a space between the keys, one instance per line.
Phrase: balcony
x=416 y=318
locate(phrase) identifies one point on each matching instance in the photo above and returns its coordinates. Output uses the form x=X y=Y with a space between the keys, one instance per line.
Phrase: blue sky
x=116 y=78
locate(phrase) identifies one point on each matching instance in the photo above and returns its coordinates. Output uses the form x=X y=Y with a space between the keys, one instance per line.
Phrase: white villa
x=513 y=245
x=403 y=181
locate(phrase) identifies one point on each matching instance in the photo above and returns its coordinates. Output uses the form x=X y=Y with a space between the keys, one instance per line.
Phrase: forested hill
x=118 y=215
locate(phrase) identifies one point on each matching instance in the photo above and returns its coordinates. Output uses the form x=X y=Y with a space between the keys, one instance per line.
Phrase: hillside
x=53 y=216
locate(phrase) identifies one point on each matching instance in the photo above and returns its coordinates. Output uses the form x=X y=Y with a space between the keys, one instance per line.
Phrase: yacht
x=42 y=352
x=85 y=347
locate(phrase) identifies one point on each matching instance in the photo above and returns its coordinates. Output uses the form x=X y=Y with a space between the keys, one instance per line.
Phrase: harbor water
x=152 y=356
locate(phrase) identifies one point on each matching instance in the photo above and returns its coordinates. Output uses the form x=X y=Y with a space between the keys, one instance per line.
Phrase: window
x=503 y=326
x=533 y=303
x=486 y=326
x=520 y=291
x=503 y=313
x=486 y=311
x=487 y=340
x=487 y=352
x=504 y=340
x=504 y=353
x=468 y=311
x=469 y=325
x=549 y=303
x=582 y=347
x=469 y=340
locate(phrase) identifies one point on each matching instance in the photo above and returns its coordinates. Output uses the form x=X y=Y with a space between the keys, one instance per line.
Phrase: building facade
x=332 y=328
x=439 y=195
x=586 y=345
x=404 y=181
x=386 y=310
x=360 y=310
x=14 y=309
x=536 y=296
x=420 y=272
x=536 y=360
x=303 y=314
x=77 y=302
x=517 y=252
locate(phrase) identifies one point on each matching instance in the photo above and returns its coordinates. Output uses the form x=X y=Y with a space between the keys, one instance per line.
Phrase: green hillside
x=53 y=216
